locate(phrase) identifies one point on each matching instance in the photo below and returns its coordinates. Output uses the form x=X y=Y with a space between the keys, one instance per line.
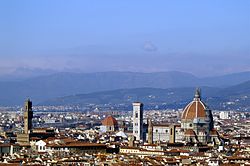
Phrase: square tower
x=138 y=120
x=28 y=115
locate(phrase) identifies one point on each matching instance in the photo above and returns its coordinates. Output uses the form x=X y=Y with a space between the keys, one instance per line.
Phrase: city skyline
x=202 y=38
x=125 y=82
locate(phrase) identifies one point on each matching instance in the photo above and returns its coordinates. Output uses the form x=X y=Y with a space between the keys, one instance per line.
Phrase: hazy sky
x=200 y=37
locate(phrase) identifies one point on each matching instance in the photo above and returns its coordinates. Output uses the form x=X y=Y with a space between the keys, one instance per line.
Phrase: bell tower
x=28 y=115
x=138 y=120
x=150 y=131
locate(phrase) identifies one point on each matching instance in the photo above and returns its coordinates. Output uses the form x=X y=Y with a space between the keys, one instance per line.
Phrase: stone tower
x=138 y=120
x=150 y=132
x=172 y=134
x=131 y=141
x=28 y=115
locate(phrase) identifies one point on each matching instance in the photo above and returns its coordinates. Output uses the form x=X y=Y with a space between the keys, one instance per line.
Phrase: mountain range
x=51 y=86
x=231 y=98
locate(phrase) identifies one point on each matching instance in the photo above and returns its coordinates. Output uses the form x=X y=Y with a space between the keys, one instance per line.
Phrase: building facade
x=224 y=115
x=163 y=133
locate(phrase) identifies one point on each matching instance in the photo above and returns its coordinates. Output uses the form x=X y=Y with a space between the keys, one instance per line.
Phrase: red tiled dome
x=109 y=121
x=195 y=109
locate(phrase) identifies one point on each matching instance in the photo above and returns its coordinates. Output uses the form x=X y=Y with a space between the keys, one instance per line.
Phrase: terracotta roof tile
x=109 y=121
x=190 y=111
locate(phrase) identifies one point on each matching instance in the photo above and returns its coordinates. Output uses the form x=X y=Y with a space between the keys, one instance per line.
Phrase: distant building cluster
x=193 y=135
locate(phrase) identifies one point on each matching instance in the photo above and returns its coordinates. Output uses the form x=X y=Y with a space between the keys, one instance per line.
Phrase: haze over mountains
x=231 y=98
x=49 y=86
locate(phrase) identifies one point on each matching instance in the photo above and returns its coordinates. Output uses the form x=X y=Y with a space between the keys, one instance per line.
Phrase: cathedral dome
x=109 y=121
x=195 y=109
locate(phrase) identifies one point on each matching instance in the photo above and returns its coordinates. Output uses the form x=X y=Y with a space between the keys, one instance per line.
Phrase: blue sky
x=200 y=37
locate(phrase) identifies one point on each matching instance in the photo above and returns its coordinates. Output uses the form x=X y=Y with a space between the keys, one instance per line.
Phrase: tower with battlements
x=28 y=115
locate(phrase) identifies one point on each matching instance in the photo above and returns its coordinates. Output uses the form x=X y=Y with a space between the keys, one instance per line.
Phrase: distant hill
x=23 y=73
x=226 y=80
x=51 y=86
x=237 y=90
x=171 y=98
x=235 y=97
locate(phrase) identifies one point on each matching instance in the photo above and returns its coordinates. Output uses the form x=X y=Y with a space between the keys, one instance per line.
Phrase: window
x=166 y=131
x=136 y=115
x=190 y=125
x=156 y=131
x=171 y=131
